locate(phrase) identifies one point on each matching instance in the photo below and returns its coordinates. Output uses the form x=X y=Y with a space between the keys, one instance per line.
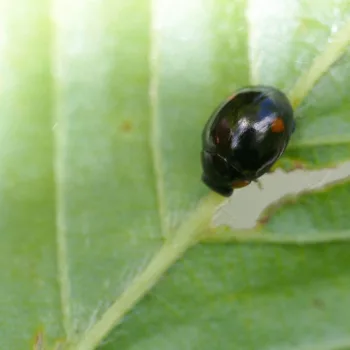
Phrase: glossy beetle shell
x=244 y=137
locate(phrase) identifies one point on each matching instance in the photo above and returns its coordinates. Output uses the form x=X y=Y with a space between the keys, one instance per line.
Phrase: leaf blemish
x=39 y=341
x=318 y=303
x=297 y=165
x=263 y=220
x=126 y=126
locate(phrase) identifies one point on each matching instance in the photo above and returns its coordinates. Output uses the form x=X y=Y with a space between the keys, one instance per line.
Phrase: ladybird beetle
x=244 y=137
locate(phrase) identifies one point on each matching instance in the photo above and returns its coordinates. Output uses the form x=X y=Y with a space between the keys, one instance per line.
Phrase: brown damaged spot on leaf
x=318 y=303
x=211 y=231
x=262 y=221
x=293 y=165
x=273 y=208
x=126 y=126
x=40 y=344
x=39 y=341
x=289 y=165
x=297 y=165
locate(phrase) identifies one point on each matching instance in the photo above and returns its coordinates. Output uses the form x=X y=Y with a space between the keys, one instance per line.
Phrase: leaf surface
x=102 y=108
x=297 y=35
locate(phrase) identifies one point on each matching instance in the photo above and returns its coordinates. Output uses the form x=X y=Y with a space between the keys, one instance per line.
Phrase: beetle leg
x=258 y=182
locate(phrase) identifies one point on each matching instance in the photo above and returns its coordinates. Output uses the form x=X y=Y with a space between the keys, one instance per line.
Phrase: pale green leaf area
x=205 y=60
x=304 y=31
x=318 y=212
x=101 y=112
x=245 y=297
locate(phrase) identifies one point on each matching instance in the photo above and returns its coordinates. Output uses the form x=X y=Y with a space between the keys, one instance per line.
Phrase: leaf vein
x=321 y=142
x=332 y=52
x=61 y=232
x=227 y=235
x=154 y=114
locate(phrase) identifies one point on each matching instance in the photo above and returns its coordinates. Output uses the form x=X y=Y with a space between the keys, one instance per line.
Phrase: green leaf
x=297 y=37
x=199 y=63
x=318 y=212
x=102 y=108
x=29 y=290
x=246 y=297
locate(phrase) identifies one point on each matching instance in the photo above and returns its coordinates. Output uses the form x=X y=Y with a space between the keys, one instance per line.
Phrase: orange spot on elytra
x=240 y=183
x=277 y=125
